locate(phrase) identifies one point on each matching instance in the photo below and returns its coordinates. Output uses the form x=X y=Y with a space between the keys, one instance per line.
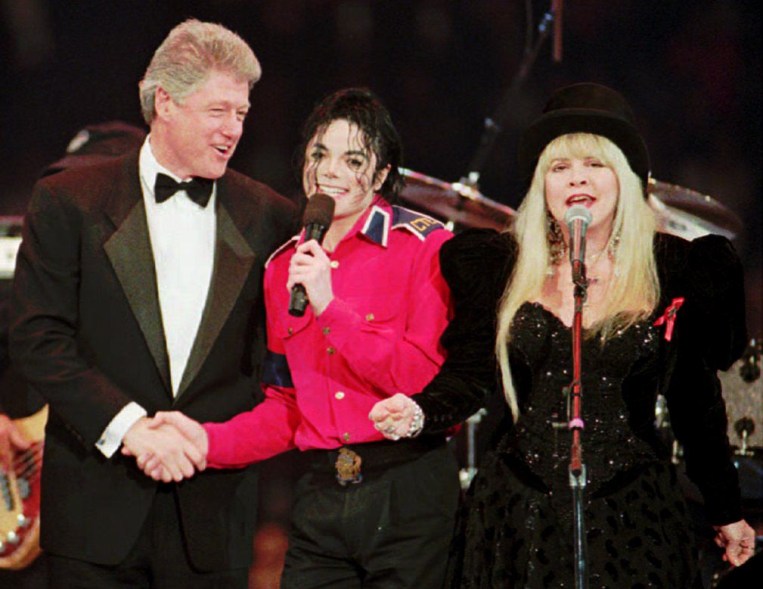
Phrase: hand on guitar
x=167 y=447
x=21 y=443
x=11 y=441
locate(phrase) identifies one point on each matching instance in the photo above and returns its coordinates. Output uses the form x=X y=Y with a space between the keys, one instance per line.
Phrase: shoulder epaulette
x=417 y=223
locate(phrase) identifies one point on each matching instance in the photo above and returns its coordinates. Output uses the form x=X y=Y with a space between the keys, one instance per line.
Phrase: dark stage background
x=690 y=69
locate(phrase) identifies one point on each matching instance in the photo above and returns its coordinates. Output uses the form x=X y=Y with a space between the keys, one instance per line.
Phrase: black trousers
x=392 y=530
x=157 y=561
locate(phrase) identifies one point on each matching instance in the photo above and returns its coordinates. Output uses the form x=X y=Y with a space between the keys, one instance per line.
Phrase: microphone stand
x=494 y=125
x=577 y=469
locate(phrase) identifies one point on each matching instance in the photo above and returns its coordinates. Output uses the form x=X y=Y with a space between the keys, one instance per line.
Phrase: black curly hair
x=362 y=108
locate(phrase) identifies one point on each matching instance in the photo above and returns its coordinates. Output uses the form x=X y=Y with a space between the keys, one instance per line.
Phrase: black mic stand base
x=577 y=484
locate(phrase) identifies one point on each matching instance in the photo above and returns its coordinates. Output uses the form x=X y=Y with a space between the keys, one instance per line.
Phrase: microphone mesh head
x=319 y=210
x=578 y=213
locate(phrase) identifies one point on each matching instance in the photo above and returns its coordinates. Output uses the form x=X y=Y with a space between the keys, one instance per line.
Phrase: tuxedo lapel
x=233 y=262
x=129 y=250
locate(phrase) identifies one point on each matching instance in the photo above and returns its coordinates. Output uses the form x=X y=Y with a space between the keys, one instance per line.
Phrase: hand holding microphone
x=578 y=218
x=317 y=218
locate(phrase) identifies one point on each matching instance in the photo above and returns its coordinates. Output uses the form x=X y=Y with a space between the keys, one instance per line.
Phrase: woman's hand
x=738 y=541
x=311 y=267
x=397 y=417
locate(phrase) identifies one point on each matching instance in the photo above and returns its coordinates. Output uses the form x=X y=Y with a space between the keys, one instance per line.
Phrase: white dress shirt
x=182 y=237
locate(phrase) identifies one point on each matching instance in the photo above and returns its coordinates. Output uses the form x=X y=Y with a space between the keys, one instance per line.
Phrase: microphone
x=577 y=219
x=317 y=219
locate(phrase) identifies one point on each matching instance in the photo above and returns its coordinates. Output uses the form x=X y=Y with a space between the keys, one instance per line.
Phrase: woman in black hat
x=662 y=315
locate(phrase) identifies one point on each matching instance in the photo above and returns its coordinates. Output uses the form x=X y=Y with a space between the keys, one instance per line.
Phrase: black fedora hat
x=585 y=108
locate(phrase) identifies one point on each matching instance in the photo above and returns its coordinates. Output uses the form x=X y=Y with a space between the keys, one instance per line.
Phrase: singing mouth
x=580 y=199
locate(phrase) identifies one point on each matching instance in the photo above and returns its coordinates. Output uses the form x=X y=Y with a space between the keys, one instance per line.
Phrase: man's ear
x=163 y=103
x=380 y=177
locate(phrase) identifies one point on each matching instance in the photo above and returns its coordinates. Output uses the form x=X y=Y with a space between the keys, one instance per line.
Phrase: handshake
x=167 y=447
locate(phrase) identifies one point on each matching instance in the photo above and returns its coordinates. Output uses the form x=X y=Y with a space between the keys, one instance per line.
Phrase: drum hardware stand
x=750 y=369
x=744 y=428
x=662 y=424
x=494 y=125
x=465 y=475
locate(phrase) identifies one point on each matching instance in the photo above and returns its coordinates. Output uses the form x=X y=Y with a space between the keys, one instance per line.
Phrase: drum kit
x=680 y=211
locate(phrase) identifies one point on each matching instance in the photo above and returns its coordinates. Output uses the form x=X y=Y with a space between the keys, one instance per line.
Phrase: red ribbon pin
x=669 y=317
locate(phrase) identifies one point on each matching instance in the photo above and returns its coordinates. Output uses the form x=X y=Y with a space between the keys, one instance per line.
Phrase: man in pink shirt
x=367 y=512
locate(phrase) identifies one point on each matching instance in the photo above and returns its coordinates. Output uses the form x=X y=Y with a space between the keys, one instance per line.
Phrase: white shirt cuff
x=111 y=438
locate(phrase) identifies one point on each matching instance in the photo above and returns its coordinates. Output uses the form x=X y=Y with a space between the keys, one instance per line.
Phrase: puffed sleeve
x=709 y=336
x=715 y=278
x=476 y=265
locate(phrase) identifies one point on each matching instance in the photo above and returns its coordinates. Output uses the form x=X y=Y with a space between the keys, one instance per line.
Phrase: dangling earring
x=555 y=239
x=612 y=247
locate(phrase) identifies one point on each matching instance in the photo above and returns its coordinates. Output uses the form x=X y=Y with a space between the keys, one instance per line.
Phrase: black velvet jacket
x=709 y=335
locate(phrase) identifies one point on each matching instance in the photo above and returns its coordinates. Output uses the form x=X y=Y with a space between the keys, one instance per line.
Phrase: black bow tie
x=199 y=190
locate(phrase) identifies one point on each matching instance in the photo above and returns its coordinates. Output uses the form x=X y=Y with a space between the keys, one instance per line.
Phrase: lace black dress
x=516 y=526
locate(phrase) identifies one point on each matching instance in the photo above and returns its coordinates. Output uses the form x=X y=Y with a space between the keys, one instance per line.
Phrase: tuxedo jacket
x=86 y=333
x=16 y=399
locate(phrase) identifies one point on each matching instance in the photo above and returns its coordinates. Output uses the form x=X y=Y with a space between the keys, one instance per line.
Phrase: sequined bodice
x=619 y=393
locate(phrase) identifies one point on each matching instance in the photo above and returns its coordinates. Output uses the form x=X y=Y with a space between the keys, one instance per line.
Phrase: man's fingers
x=187 y=469
x=143 y=459
x=150 y=464
x=11 y=441
x=19 y=441
x=156 y=473
x=378 y=413
x=191 y=430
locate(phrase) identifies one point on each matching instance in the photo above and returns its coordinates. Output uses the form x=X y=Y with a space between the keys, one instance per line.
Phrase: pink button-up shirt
x=378 y=336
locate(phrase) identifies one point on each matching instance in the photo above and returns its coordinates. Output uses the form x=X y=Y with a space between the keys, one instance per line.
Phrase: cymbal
x=454 y=202
x=680 y=211
x=690 y=214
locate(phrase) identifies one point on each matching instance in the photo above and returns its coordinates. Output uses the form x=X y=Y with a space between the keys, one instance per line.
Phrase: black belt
x=349 y=463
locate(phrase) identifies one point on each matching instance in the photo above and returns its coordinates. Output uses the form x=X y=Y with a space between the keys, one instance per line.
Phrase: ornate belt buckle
x=348 y=467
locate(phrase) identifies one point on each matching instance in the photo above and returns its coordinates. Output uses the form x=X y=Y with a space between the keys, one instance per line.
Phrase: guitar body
x=20 y=497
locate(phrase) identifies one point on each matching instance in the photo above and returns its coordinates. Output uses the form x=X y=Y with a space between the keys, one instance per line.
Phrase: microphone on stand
x=317 y=218
x=577 y=219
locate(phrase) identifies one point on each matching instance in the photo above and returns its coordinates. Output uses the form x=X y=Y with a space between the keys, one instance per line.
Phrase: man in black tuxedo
x=92 y=144
x=137 y=289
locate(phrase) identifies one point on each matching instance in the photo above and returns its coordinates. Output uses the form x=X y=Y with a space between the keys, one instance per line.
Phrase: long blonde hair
x=633 y=290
